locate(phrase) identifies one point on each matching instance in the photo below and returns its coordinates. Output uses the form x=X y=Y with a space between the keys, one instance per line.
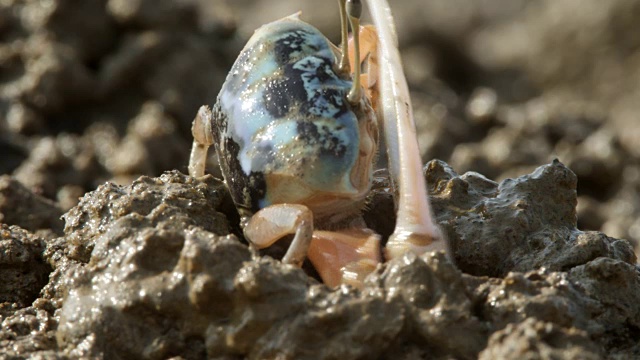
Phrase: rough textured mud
x=154 y=266
x=22 y=268
x=142 y=273
x=532 y=339
x=33 y=213
x=172 y=196
x=518 y=225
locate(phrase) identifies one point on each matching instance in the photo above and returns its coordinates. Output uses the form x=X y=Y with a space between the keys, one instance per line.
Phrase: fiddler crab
x=295 y=128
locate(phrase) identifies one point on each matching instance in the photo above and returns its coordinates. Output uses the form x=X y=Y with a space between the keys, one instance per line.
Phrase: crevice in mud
x=623 y=339
x=22 y=283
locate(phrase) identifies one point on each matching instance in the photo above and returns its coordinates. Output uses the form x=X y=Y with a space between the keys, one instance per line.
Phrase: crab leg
x=415 y=228
x=202 y=140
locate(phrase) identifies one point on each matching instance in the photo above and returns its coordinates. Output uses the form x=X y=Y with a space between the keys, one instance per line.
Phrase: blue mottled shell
x=284 y=128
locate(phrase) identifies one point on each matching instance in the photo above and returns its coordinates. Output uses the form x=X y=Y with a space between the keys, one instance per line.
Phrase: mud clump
x=533 y=339
x=21 y=207
x=520 y=224
x=171 y=196
x=27 y=321
x=22 y=268
x=143 y=271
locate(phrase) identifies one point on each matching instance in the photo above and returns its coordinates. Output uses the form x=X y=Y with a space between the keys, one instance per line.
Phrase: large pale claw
x=412 y=241
x=415 y=230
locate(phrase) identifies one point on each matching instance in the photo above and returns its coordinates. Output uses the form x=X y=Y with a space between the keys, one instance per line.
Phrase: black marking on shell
x=246 y=191
x=219 y=122
x=323 y=137
x=280 y=95
x=288 y=92
x=288 y=45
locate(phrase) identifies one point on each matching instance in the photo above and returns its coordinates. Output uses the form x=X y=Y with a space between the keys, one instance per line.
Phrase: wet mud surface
x=107 y=250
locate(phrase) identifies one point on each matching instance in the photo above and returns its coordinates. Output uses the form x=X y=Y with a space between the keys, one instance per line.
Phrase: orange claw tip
x=354 y=273
x=344 y=257
x=368 y=44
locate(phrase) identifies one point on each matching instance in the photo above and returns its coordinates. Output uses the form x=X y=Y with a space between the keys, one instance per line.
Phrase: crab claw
x=417 y=242
x=416 y=230
x=276 y=221
x=345 y=256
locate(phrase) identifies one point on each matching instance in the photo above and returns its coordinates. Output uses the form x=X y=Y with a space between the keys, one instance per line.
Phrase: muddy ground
x=96 y=102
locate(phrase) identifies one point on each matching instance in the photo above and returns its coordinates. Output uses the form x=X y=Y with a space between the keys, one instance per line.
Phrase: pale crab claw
x=346 y=256
x=275 y=222
x=415 y=229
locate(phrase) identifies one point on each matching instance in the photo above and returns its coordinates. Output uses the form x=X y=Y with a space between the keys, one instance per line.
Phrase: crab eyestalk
x=344 y=32
x=354 y=9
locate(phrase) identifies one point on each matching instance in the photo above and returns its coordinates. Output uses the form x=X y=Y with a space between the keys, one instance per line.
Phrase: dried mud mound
x=518 y=225
x=105 y=90
x=151 y=271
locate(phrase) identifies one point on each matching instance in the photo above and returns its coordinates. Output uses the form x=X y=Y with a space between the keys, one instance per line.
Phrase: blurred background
x=105 y=90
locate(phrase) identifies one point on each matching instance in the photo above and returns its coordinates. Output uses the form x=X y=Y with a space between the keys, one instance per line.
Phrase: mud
x=96 y=101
